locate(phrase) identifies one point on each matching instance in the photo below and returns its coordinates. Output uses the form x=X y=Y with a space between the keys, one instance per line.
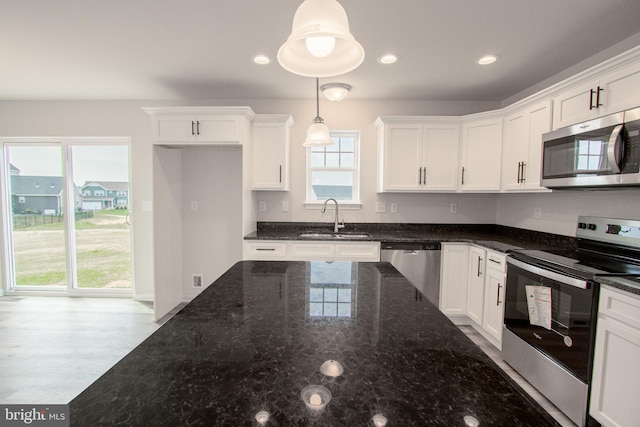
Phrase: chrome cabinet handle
x=197 y=127
x=424 y=176
x=419 y=176
x=494 y=261
x=498 y=302
x=595 y=92
x=479 y=272
x=266 y=249
x=280 y=175
x=522 y=178
x=193 y=124
x=463 y=175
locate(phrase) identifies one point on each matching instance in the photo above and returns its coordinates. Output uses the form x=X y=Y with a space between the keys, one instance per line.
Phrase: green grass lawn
x=103 y=252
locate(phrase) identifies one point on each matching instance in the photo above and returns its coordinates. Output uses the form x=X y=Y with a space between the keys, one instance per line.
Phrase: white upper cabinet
x=481 y=154
x=200 y=125
x=522 y=147
x=270 y=152
x=417 y=154
x=610 y=93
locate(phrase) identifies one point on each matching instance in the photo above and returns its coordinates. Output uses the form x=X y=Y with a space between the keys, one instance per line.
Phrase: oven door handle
x=578 y=283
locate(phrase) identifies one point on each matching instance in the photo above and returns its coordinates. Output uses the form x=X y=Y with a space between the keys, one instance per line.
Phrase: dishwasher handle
x=410 y=247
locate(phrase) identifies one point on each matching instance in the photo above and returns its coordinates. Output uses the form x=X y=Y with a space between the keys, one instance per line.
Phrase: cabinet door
x=440 y=157
x=494 y=305
x=270 y=148
x=539 y=123
x=620 y=89
x=402 y=155
x=453 y=280
x=616 y=372
x=351 y=251
x=475 y=285
x=481 y=155
x=311 y=251
x=175 y=129
x=218 y=129
x=573 y=106
x=516 y=149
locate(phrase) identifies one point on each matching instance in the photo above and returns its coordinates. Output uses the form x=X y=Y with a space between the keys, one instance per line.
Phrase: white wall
x=212 y=178
x=560 y=209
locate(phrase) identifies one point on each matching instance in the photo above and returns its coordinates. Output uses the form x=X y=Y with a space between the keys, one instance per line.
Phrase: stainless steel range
x=551 y=305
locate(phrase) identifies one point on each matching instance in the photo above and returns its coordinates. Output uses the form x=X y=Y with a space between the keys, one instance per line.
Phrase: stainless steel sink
x=332 y=235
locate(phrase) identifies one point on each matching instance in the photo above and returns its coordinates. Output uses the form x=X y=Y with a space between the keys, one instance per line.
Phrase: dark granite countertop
x=499 y=238
x=258 y=335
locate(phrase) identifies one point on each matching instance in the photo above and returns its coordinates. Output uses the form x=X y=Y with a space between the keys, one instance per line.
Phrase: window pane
x=330 y=309
x=333 y=160
x=327 y=184
x=37 y=215
x=315 y=294
x=103 y=234
x=344 y=295
x=317 y=159
x=330 y=294
x=582 y=163
x=346 y=144
x=346 y=160
x=333 y=147
x=344 y=310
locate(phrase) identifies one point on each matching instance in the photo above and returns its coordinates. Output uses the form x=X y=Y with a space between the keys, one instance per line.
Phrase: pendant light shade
x=320 y=44
x=318 y=133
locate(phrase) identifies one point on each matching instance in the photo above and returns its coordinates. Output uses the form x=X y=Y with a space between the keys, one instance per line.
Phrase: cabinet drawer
x=620 y=306
x=312 y=251
x=358 y=251
x=265 y=250
x=496 y=261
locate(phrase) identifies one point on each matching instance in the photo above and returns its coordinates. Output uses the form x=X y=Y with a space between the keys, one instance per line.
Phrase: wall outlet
x=381 y=207
x=537 y=213
x=196 y=280
x=262 y=206
x=394 y=207
x=284 y=206
x=453 y=208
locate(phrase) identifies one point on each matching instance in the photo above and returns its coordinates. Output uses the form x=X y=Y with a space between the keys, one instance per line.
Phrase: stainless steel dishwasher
x=418 y=262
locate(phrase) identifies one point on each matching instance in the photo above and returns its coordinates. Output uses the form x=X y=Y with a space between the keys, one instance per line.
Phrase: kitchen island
x=258 y=335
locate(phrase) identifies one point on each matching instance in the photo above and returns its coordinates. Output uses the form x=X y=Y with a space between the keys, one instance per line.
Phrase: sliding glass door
x=68 y=220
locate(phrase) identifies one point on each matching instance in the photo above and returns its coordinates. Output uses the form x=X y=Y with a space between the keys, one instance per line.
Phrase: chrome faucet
x=336 y=226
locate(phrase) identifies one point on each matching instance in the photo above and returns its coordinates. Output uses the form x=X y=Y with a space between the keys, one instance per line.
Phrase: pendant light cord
x=318 y=119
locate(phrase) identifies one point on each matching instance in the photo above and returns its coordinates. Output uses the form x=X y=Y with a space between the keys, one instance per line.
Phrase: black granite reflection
x=249 y=343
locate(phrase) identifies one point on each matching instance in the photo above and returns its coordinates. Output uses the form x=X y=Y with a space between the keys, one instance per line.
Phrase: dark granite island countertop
x=258 y=335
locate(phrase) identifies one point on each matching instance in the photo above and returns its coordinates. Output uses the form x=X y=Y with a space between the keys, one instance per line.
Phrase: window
x=86 y=193
x=333 y=171
x=331 y=290
x=21 y=199
x=591 y=155
x=98 y=193
x=122 y=193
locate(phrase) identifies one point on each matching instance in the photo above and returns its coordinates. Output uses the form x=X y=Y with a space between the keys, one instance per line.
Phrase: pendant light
x=320 y=44
x=318 y=132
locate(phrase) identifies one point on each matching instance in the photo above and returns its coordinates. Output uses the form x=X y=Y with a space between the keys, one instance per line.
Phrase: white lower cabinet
x=304 y=250
x=475 y=285
x=616 y=371
x=453 y=281
x=472 y=283
x=493 y=317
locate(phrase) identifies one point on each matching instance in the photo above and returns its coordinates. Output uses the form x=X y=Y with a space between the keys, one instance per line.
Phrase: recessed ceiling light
x=388 y=58
x=261 y=59
x=487 y=59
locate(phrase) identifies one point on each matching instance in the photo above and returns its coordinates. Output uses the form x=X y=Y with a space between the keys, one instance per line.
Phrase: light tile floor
x=52 y=348
x=496 y=356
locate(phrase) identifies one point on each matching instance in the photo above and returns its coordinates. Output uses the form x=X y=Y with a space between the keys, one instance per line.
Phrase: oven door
x=553 y=313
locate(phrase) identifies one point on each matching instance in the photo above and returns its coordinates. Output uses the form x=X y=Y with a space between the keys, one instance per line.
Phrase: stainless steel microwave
x=600 y=153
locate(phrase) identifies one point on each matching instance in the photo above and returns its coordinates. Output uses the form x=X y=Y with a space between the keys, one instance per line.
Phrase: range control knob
x=591 y=226
x=582 y=225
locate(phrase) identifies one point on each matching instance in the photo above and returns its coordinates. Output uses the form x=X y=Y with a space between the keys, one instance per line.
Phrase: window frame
x=355 y=202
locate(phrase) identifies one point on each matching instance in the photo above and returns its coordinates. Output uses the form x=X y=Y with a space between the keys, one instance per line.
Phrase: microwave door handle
x=614 y=149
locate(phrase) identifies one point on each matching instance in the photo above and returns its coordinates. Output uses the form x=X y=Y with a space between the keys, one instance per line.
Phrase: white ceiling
x=202 y=49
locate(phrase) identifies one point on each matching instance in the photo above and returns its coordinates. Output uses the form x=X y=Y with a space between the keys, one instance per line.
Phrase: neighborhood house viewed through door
x=70 y=226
